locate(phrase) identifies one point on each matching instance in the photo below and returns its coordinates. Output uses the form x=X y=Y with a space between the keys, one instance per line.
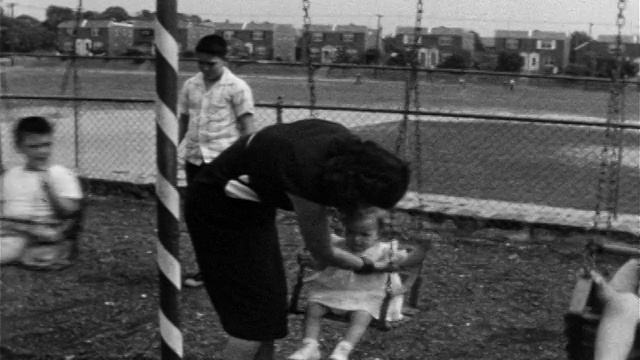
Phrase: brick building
x=337 y=43
x=94 y=37
x=435 y=45
x=260 y=41
x=542 y=51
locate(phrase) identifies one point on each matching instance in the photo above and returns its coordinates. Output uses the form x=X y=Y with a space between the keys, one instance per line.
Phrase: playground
x=481 y=299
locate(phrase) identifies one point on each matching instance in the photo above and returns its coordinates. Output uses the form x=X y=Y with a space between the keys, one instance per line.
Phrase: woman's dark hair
x=31 y=125
x=214 y=45
x=361 y=173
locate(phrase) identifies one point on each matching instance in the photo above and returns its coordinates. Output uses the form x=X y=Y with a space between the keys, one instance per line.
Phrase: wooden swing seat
x=67 y=249
x=583 y=317
x=411 y=284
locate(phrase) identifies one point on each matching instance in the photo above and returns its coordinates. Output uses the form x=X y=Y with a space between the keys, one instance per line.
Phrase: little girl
x=343 y=291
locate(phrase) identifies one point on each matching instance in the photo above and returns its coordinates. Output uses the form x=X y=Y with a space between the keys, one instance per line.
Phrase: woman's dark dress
x=236 y=241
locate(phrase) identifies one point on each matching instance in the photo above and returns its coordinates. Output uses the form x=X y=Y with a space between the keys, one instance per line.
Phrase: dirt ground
x=480 y=299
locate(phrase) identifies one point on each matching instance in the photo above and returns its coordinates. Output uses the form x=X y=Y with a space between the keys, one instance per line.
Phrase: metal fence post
x=279 y=110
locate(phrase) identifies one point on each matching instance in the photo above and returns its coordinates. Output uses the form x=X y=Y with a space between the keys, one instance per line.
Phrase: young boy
x=216 y=108
x=36 y=197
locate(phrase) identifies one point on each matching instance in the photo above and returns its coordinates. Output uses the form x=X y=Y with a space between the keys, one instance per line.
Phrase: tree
x=115 y=13
x=510 y=62
x=56 y=14
x=25 y=34
x=455 y=61
x=146 y=15
x=577 y=38
x=477 y=42
x=91 y=15
x=371 y=56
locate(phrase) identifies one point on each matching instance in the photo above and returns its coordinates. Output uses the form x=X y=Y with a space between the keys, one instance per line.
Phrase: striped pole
x=168 y=203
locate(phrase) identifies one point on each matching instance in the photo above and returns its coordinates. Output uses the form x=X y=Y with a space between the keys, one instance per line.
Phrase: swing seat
x=59 y=255
x=583 y=317
x=411 y=284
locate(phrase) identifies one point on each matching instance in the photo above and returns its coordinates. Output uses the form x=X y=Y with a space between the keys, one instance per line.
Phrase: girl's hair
x=361 y=173
x=31 y=125
x=381 y=216
x=214 y=45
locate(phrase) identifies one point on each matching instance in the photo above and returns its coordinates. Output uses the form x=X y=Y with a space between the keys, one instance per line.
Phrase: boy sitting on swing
x=39 y=202
x=344 y=291
x=621 y=312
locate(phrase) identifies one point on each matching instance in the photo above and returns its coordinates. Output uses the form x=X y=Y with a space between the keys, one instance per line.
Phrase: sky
x=482 y=16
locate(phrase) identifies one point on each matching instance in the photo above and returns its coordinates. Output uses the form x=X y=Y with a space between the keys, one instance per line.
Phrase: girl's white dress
x=343 y=290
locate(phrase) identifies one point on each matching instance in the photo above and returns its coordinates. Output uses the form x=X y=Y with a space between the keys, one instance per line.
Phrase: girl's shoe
x=309 y=351
x=341 y=352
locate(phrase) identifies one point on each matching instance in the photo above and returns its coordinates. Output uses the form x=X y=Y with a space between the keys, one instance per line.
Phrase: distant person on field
x=216 y=108
x=37 y=200
x=512 y=84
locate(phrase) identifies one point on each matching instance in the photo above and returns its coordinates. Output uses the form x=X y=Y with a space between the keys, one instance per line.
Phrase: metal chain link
x=611 y=154
x=310 y=67
x=411 y=85
x=416 y=98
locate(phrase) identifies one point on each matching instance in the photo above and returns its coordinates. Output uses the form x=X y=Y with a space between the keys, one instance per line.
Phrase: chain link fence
x=532 y=162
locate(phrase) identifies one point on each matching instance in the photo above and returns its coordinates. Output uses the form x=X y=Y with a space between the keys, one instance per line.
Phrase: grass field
x=480 y=299
x=45 y=77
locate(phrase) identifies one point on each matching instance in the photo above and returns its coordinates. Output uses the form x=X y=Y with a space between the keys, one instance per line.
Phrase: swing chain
x=411 y=85
x=310 y=67
x=611 y=154
x=416 y=95
x=392 y=255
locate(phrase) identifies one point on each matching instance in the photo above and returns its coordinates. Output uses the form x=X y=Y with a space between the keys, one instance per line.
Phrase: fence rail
x=498 y=159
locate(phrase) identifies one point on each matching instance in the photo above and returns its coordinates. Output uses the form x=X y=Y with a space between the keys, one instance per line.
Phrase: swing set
x=411 y=278
x=585 y=310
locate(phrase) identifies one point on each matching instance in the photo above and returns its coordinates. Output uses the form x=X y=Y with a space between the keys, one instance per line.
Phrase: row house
x=89 y=37
x=337 y=43
x=260 y=41
x=542 y=51
x=437 y=44
x=188 y=35
x=630 y=45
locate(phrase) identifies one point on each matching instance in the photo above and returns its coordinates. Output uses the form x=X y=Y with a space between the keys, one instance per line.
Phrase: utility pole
x=378 y=34
x=12 y=39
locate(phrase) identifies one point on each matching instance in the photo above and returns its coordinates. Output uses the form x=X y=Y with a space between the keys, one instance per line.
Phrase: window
x=98 y=45
x=146 y=32
x=546 y=44
x=533 y=62
x=348 y=37
x=445 y=41
x=317 y=37
x=257 y=35
x=95 y=32
x=408 y=39
x=261 y=50
x=67 y=46
x=512 y=44
x=549 y=60
x=228 y=35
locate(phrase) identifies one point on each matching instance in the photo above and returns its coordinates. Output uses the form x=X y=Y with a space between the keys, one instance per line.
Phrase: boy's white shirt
x=213 y=114
x=24 y=197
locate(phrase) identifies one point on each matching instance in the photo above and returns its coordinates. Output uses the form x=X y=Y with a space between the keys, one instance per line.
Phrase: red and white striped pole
x=168 y=198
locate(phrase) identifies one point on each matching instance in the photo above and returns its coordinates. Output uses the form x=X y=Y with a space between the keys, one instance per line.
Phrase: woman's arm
x=314 y=227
